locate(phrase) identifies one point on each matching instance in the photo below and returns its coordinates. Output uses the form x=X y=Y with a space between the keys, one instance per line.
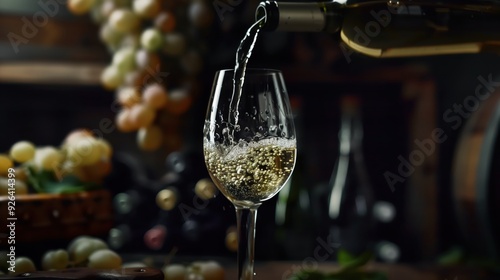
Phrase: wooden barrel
x=476 y=179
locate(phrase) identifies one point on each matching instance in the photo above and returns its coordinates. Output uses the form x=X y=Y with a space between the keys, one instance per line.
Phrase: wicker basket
x=42 y=217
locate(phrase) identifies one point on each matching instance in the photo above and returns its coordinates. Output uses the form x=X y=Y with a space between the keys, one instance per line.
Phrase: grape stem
x=246 y=218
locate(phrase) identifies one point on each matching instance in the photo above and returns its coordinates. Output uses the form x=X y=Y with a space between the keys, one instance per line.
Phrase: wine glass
x=249 y=145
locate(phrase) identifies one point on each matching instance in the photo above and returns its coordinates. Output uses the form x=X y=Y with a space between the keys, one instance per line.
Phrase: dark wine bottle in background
x=119 y=237
x=203 y=233
x=164 y=233
x=350 y=199
x=393 y=28
x=133 y=207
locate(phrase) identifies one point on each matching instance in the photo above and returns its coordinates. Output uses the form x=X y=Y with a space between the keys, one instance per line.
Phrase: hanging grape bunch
x=157 y=52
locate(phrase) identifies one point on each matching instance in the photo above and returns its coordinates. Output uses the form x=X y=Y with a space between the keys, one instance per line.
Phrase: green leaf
x=349 y=262
x=344 y=257
x=46 y=182
x=452 y=257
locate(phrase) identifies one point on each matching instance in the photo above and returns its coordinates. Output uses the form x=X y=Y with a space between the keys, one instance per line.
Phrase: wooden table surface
x=278 y=270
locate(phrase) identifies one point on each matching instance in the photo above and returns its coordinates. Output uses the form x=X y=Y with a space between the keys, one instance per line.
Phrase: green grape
x=124 y=59
x=130 y=40
x=79 y=7
x=105 y=148
x=149 y=138
x=4 y=186
x=5 y=163
x=122 y=3
x=85 y=248
x=194 y=272
x=104 y=259
x=146 y=8
x=55 y=259
x=20 y=187
x=23 y=265
x=128 y=96
x=22 y=151
x=124 y=20
x=77 y=240
x=47 y=158
x=97 y=13
x=124 y=122
x=110 y=36
x=174 y=272
x=111 y=77
x=212 y=270
x=84 y=152
x=107 y=7
x=142 y=115
x=155 y=96
x=151 y=39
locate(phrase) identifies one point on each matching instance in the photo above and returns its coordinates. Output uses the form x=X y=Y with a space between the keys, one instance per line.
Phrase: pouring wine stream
x=243 y=54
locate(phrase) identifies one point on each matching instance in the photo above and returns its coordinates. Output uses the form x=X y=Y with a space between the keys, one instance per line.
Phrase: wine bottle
x=392 y=28
x=203 y=233
x=167 y=198
x=133 y=207
x=350 y=200
x=119 y=236
x=164 y=233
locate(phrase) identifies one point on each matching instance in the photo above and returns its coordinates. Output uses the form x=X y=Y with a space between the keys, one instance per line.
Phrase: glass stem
x=246 y=219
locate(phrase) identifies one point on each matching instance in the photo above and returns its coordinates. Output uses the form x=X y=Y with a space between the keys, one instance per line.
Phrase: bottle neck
x=299 y=17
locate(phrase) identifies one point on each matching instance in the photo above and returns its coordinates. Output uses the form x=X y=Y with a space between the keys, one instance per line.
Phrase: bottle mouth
x=260 y=12
x=267 y=12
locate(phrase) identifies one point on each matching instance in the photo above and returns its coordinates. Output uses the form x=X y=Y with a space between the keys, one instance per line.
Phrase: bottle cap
x=166 y=199
x=155 y=237
x=205 y=189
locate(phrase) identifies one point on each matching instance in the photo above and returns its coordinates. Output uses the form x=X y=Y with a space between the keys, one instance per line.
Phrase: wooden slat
x=51 y=73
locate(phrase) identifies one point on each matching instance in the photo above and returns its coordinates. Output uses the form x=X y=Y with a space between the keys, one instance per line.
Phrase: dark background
x=45 y=113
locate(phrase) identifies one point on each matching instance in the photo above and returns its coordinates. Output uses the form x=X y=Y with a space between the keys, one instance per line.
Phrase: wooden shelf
x=55 y=73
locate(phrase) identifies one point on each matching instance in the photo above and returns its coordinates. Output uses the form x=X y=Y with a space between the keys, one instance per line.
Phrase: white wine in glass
x=249 y=145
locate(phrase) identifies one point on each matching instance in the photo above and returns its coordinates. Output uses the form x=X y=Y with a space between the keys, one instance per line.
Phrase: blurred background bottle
x=347 y=200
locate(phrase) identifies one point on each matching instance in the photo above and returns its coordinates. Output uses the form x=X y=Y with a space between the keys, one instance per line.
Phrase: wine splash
x=243 y=54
